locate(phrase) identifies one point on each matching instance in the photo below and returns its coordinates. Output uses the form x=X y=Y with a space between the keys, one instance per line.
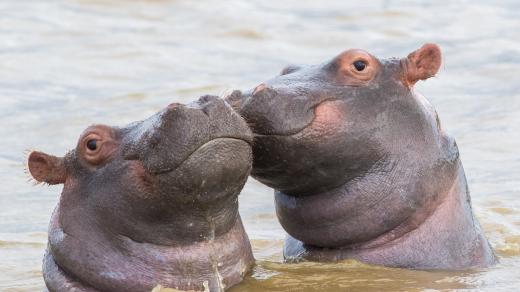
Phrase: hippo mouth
x=168 y=169
x=315 y=112
x=268 y=119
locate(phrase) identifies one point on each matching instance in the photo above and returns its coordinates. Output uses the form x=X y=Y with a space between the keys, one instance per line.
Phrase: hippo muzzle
x=165 y=140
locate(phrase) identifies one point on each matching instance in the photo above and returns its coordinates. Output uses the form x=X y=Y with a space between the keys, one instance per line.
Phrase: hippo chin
x=360 y=164
x=153 y=203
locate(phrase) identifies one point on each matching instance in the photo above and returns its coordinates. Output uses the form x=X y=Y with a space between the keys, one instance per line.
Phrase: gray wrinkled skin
x=162 y=211
x=362 y=171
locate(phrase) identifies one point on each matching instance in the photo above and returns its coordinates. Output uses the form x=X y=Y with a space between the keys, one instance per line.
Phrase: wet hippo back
x=361 y=165
x=153 y=203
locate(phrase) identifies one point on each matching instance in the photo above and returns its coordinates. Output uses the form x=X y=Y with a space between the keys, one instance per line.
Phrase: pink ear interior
x=46 y=168
x=423 y=63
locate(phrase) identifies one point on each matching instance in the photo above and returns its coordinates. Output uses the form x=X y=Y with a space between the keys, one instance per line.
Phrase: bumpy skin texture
x=361 y=166
x=156 y=203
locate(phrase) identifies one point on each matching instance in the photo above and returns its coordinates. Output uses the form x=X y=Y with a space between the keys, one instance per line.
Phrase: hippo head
x=172 y=178
x=317 y=127
x=352 y=150
x=361 y=166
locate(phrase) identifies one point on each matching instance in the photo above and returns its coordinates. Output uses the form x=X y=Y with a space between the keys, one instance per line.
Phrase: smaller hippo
x=361 y=166
x=152 y=203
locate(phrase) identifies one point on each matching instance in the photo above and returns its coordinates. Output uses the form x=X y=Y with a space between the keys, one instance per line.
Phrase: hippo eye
x=92 y=144
x=360 y=65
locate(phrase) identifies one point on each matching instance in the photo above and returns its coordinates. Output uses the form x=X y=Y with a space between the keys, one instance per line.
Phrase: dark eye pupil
x=360 y=65
x=92 y=144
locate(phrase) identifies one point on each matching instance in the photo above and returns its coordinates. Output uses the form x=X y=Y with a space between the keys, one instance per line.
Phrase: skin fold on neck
x=441 y=234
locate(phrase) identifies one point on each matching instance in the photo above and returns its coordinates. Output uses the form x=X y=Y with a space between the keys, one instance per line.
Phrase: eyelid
x=361 y=59
x=346 y=72
x=106 y=144
x=93 y=157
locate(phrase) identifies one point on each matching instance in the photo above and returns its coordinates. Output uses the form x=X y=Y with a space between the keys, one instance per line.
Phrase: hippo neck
x=171 y=223
x=114 y=262
x=184 y=223
x=447 y=237
x=387 y=202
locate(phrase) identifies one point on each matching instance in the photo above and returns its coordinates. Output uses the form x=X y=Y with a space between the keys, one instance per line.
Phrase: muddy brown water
x=66 y=64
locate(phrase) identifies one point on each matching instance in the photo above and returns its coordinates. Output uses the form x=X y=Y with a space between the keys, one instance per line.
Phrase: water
x=67 y=64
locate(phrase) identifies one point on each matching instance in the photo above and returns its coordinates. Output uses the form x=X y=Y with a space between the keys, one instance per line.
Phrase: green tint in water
x=347 y=276
x=355 y=276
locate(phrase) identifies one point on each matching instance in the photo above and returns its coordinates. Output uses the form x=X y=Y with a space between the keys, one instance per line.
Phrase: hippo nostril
x=206 y=103
x=206 y=99
x=259 y=88
x=235 y=99
x=174 y=105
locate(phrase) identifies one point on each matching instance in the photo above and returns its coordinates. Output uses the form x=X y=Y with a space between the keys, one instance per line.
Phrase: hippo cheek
x=142 y=181
x=327 y=153
x=208 y=179
x=329 y=119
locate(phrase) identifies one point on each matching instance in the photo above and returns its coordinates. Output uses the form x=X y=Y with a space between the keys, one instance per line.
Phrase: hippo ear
x=422 y=64
x=46 y=168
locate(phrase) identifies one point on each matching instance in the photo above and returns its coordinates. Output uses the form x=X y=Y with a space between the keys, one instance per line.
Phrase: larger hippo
x=153 y=203
x=361 y=166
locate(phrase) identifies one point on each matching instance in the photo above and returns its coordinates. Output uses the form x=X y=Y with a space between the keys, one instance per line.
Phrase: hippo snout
x=237 y=99
x=163 y=141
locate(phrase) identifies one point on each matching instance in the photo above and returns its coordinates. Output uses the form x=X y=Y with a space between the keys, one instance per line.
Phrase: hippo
x=361 y=166
x=153 y=203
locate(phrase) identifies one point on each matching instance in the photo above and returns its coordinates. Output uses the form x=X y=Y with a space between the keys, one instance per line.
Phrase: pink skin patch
x=328 y=113
x=328 y=118
x=259 y=88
